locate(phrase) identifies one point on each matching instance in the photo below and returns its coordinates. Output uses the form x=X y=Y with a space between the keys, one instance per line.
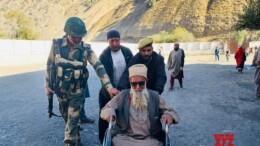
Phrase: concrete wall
x=254 y=44
x=27 y=51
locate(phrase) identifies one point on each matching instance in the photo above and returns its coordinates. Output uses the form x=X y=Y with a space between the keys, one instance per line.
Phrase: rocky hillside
x=204 y=18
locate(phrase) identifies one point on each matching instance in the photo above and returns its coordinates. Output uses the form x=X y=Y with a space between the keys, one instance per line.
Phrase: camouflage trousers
x=70 y=108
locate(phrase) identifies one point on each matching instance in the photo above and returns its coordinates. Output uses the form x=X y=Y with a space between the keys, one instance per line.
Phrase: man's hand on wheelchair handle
x=166 y=118
x=110 y=119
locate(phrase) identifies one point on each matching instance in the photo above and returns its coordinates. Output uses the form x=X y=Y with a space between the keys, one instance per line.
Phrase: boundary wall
x=36 y=51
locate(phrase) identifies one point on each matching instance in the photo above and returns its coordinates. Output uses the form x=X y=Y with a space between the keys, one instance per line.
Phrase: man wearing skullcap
x=156 y=75
x=175 y=65
x=139 y=111
x=114 y=58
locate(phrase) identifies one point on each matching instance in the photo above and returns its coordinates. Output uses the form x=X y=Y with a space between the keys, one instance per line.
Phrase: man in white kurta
x=141 y=103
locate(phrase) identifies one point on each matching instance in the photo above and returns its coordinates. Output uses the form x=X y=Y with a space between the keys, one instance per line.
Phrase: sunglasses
x=134 y=84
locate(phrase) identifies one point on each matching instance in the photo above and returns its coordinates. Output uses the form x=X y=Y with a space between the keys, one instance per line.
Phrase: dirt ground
x=215 y=99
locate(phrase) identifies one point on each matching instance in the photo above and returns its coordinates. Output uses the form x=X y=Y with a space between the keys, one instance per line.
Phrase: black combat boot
x=86 y=120
x=69 y=143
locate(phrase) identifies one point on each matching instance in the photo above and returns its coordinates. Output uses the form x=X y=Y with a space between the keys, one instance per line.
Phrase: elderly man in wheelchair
x=138 y=113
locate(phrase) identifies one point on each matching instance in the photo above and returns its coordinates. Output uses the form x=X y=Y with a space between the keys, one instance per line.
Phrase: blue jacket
x=216 y=51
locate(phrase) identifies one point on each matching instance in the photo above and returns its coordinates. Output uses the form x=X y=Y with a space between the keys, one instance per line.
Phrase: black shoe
x=171 y=88
x=79 y=143
x=80 y=128
x=69 y=143
x=86 y=120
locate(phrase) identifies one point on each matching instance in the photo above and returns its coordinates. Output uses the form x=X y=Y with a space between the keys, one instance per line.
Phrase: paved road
x=215 y=99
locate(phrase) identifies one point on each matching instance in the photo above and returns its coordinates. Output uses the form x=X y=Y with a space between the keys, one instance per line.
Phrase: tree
x=2 y=34
x=27 y=33
x=251 y=18
x=15 y=19
x=180 y=34
x=162 y=37
x=239 y=36
x=20 y=26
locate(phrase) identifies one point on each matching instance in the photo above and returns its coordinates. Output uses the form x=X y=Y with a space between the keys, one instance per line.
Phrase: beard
x=139 y=100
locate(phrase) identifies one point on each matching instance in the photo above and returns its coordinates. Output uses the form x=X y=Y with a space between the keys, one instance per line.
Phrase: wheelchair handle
x=166 y=128
x=110 y=125
x=167 y=138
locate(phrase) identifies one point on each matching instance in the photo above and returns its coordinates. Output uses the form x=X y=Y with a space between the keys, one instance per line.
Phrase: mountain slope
x=212 y=18
x=203 y=18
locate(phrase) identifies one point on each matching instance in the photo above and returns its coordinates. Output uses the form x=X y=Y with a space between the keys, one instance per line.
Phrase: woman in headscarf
x=240 y=57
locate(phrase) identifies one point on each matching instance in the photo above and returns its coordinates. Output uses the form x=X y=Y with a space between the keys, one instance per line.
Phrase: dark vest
x=154 y=114
x=68 y=80
x=106 y=59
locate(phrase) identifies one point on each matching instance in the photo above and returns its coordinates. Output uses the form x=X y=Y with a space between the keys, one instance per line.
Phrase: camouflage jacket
x=69 y=54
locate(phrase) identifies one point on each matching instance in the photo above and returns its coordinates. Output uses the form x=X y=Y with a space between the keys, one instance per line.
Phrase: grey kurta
x=175 y=61
x=257 y=72
x=139 y=123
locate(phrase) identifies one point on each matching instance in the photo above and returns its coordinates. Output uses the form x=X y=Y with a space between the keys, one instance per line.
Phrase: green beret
x=144 y=42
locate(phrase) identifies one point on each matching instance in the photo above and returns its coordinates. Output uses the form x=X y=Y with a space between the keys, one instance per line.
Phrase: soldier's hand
x=166 y=118
x=113 y=92
x=48 y=90
x=181 y=68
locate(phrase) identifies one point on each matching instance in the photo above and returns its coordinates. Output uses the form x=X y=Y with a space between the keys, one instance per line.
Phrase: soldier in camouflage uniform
x=66 y=75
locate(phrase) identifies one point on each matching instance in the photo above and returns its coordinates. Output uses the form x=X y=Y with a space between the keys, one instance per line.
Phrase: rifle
x=52 y=76
x=50 y=106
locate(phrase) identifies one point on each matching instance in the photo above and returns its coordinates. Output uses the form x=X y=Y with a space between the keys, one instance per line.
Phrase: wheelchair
x=107 y=141
x=167 y=137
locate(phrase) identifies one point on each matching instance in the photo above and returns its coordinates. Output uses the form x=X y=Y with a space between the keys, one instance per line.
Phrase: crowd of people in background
x=240 y=56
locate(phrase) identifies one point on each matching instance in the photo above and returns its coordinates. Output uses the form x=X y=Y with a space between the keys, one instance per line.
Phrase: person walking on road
x=175 y=65
x=227 y=55
x=66 y=75
x=240 y=57
x=216 y=54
